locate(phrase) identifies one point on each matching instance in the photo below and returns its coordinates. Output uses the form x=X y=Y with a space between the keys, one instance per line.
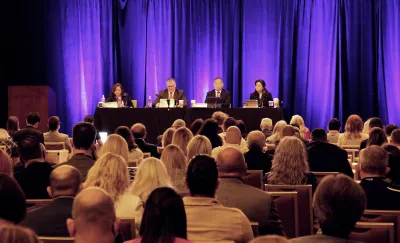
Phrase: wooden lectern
x=25 y=99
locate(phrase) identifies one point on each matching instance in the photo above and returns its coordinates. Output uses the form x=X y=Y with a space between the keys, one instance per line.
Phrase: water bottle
x=149 y=102
x=103 y=99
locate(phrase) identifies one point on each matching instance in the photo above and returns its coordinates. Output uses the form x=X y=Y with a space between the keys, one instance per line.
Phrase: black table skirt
x=157 y=120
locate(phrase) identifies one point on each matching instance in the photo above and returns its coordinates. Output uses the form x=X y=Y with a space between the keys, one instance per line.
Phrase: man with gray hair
x=233 y=138
x=266 y=127
x=171 y=93
x=255 y=158
x=373 y=169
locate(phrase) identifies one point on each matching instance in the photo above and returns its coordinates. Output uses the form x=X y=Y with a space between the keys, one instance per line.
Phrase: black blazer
x=378 y=194
x=126 y=98
x=51 y=219
x=147 y=147
x=225 y=97
x=256 y=159
x=28 y=131
x=263 y=102
x=178 y=95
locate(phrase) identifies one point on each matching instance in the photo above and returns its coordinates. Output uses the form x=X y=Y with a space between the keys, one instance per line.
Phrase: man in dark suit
x=373 y=122
x=257 y=205
x=326 y=157
x=218 y=96
x=171 y=93
x=50 y=220
x=83 y=141
x=139 y=132
x=255 y=158
x=32 y=124
x=374 y=167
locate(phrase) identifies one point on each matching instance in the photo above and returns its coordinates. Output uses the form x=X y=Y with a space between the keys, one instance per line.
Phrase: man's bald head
x=230 y=162
x=288 y=131
x=256 y=140
x=233 y=135
x=65 y=180
x=139 y=130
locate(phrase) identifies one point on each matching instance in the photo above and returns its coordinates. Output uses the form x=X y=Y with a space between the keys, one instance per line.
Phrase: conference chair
x=384 y=216
x=254 y=227
x=352 y=154
x=127 y=228
x=56 y=239
x=132 y=173
x=133 y=163
x=304 y=195
x=56 y=156
x=287 y=205
x=254 y=178
x=33 y=204
x=320 y=175
x=372 y=232
x=146 y=155
x=54 y=145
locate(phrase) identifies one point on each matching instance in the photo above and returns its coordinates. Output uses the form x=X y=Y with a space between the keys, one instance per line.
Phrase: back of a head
x=377 y=137
x=178 y=123
x=354 y=126
x=220 y=117
x=242 y=127
x=266 y=123
x=117 y=145
x=12 y=124
x=53 y=123
x=338 y=204
x=395 y=137
x=12 y=200
x=65 y=181
x=167 y=137
x=390 y=148
x=270 y=239
x=296 y=119
x=10 y=233
x=209 y=128
x=256 y=140
x=334 y=124
x=89 y=119
x=29 y=149
x=138 y=130
x=196 y=125
x=202 y=176
x=33 y=118
x=390 y=128
x=233 y=135
x=164 y=217
x=376 y=122
x=4 y=134
x=229 y=122
x=374 y=160
x=126 y=133
x=288 y=131
x=231 y=163
x=83 y=135
x=173 y=158
x=5 y=163
x=279 y=126
x=199 y=144
x=181 y=138
x=319 y=135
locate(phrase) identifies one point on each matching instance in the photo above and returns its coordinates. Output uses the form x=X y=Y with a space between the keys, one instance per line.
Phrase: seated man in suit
x=373 y=122
x=171 y=93
x=326 y=157
x=218 y=95
x=139 y=132
x=50 y=220
x=339 y=203
x=257 y=205
x=374 y=167
x=83 y=141
x=54 y=136
x=255 y=158
x=32 y=124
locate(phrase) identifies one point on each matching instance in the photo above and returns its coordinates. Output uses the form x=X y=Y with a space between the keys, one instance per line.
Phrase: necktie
x=170 y=96
x=218 y=94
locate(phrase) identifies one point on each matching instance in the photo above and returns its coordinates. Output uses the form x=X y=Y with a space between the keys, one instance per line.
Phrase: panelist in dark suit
x=261 y=94
x=118 y=95
x=218 y=95
x=171 y=93
x=32 y=124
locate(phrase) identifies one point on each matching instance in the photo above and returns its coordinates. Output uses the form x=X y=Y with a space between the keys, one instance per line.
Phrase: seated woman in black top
x=261 y=94
x=118 y=95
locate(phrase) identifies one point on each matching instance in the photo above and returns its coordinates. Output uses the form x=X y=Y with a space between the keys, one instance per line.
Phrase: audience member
x=196 y=125
x=338 y=204
x=5 y=164
x=230 y=122
x=277 y=132
x=199 y=144
x=242 y=127
x=270 y=239
x=178 y=123
x=181 y=138
x=34 y=178
x=353 y=134
x=54 y=135
x=16 y=234
x=292 y=131
x=12 y=125
x=205 y=215
x=326 y=157
x=389 y=129
x=32 y=124
x=65 y=184
x=164 y=218
x=134 y=152
x=374 y=122
x=175 y=163
x=232 y=139
x=255 y=158
x=266 y=127
x=10 y=146
x=210 y=130
x=167 y=137
x=93 y=217
x=376 y=137
x=110 y=172
x=333 y=130
x=366 y=126
x=257 y=205
x=83 y=141
x=219 y=117
x=12 y=200
x=374 y=167
x=151 y=174
x=395 y=137
x=304 y=131
x=90 y=119
x=289 y=165
x=394 y=164
x=139 y=133
x=117 y=145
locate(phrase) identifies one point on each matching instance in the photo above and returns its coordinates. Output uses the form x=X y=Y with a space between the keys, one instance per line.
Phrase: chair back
x=33 y=204
x=54 y=145
x=384 y=216
x=352 y=153
x=127 y=228
x=254 y=227
x=372 y=232
x=254 y=178
x=320 y=175
x=56 y=156
x=133 y=163
x=146 y=155
x=304 y=194
x=132 y=172
x=56 y=239
x=287 y=205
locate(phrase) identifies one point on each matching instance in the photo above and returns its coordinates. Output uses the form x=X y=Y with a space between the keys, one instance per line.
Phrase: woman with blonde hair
x=175 y=163
x=10 y=233
x=117 y=145
x=110 y=172
x=10 y=146
x=5 y=164
x=304 y=131
x=289 y=165
x=353 y=132
x=134 y=152
x=276 y=132
x=181 y=138
x=199 y=144
x=167 y=137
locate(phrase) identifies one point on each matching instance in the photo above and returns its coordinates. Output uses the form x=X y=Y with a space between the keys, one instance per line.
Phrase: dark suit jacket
x=326 y=157
x=126 y=98
x=51 y=220
x=263 y=102
x=378 y=194
x=82 y=162
x=257 y=205
x=147 y=147
x=28 y=131
x=225 y=97
x=256 y=159
x=363 y=144
x=178 y=95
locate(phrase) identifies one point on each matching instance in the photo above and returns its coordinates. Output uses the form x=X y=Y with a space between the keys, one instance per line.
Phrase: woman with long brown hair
x=353 y=132
x=118 y=95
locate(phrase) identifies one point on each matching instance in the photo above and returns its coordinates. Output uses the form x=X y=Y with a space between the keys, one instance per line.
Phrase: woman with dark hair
x=12 y=125
x=377 y=137
x=210 y=130
x=134 y=152
x=242 y=126
x=12 y=200
x=164 y=218
x=196 y=125
x=118 y=94
x=261 y=94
